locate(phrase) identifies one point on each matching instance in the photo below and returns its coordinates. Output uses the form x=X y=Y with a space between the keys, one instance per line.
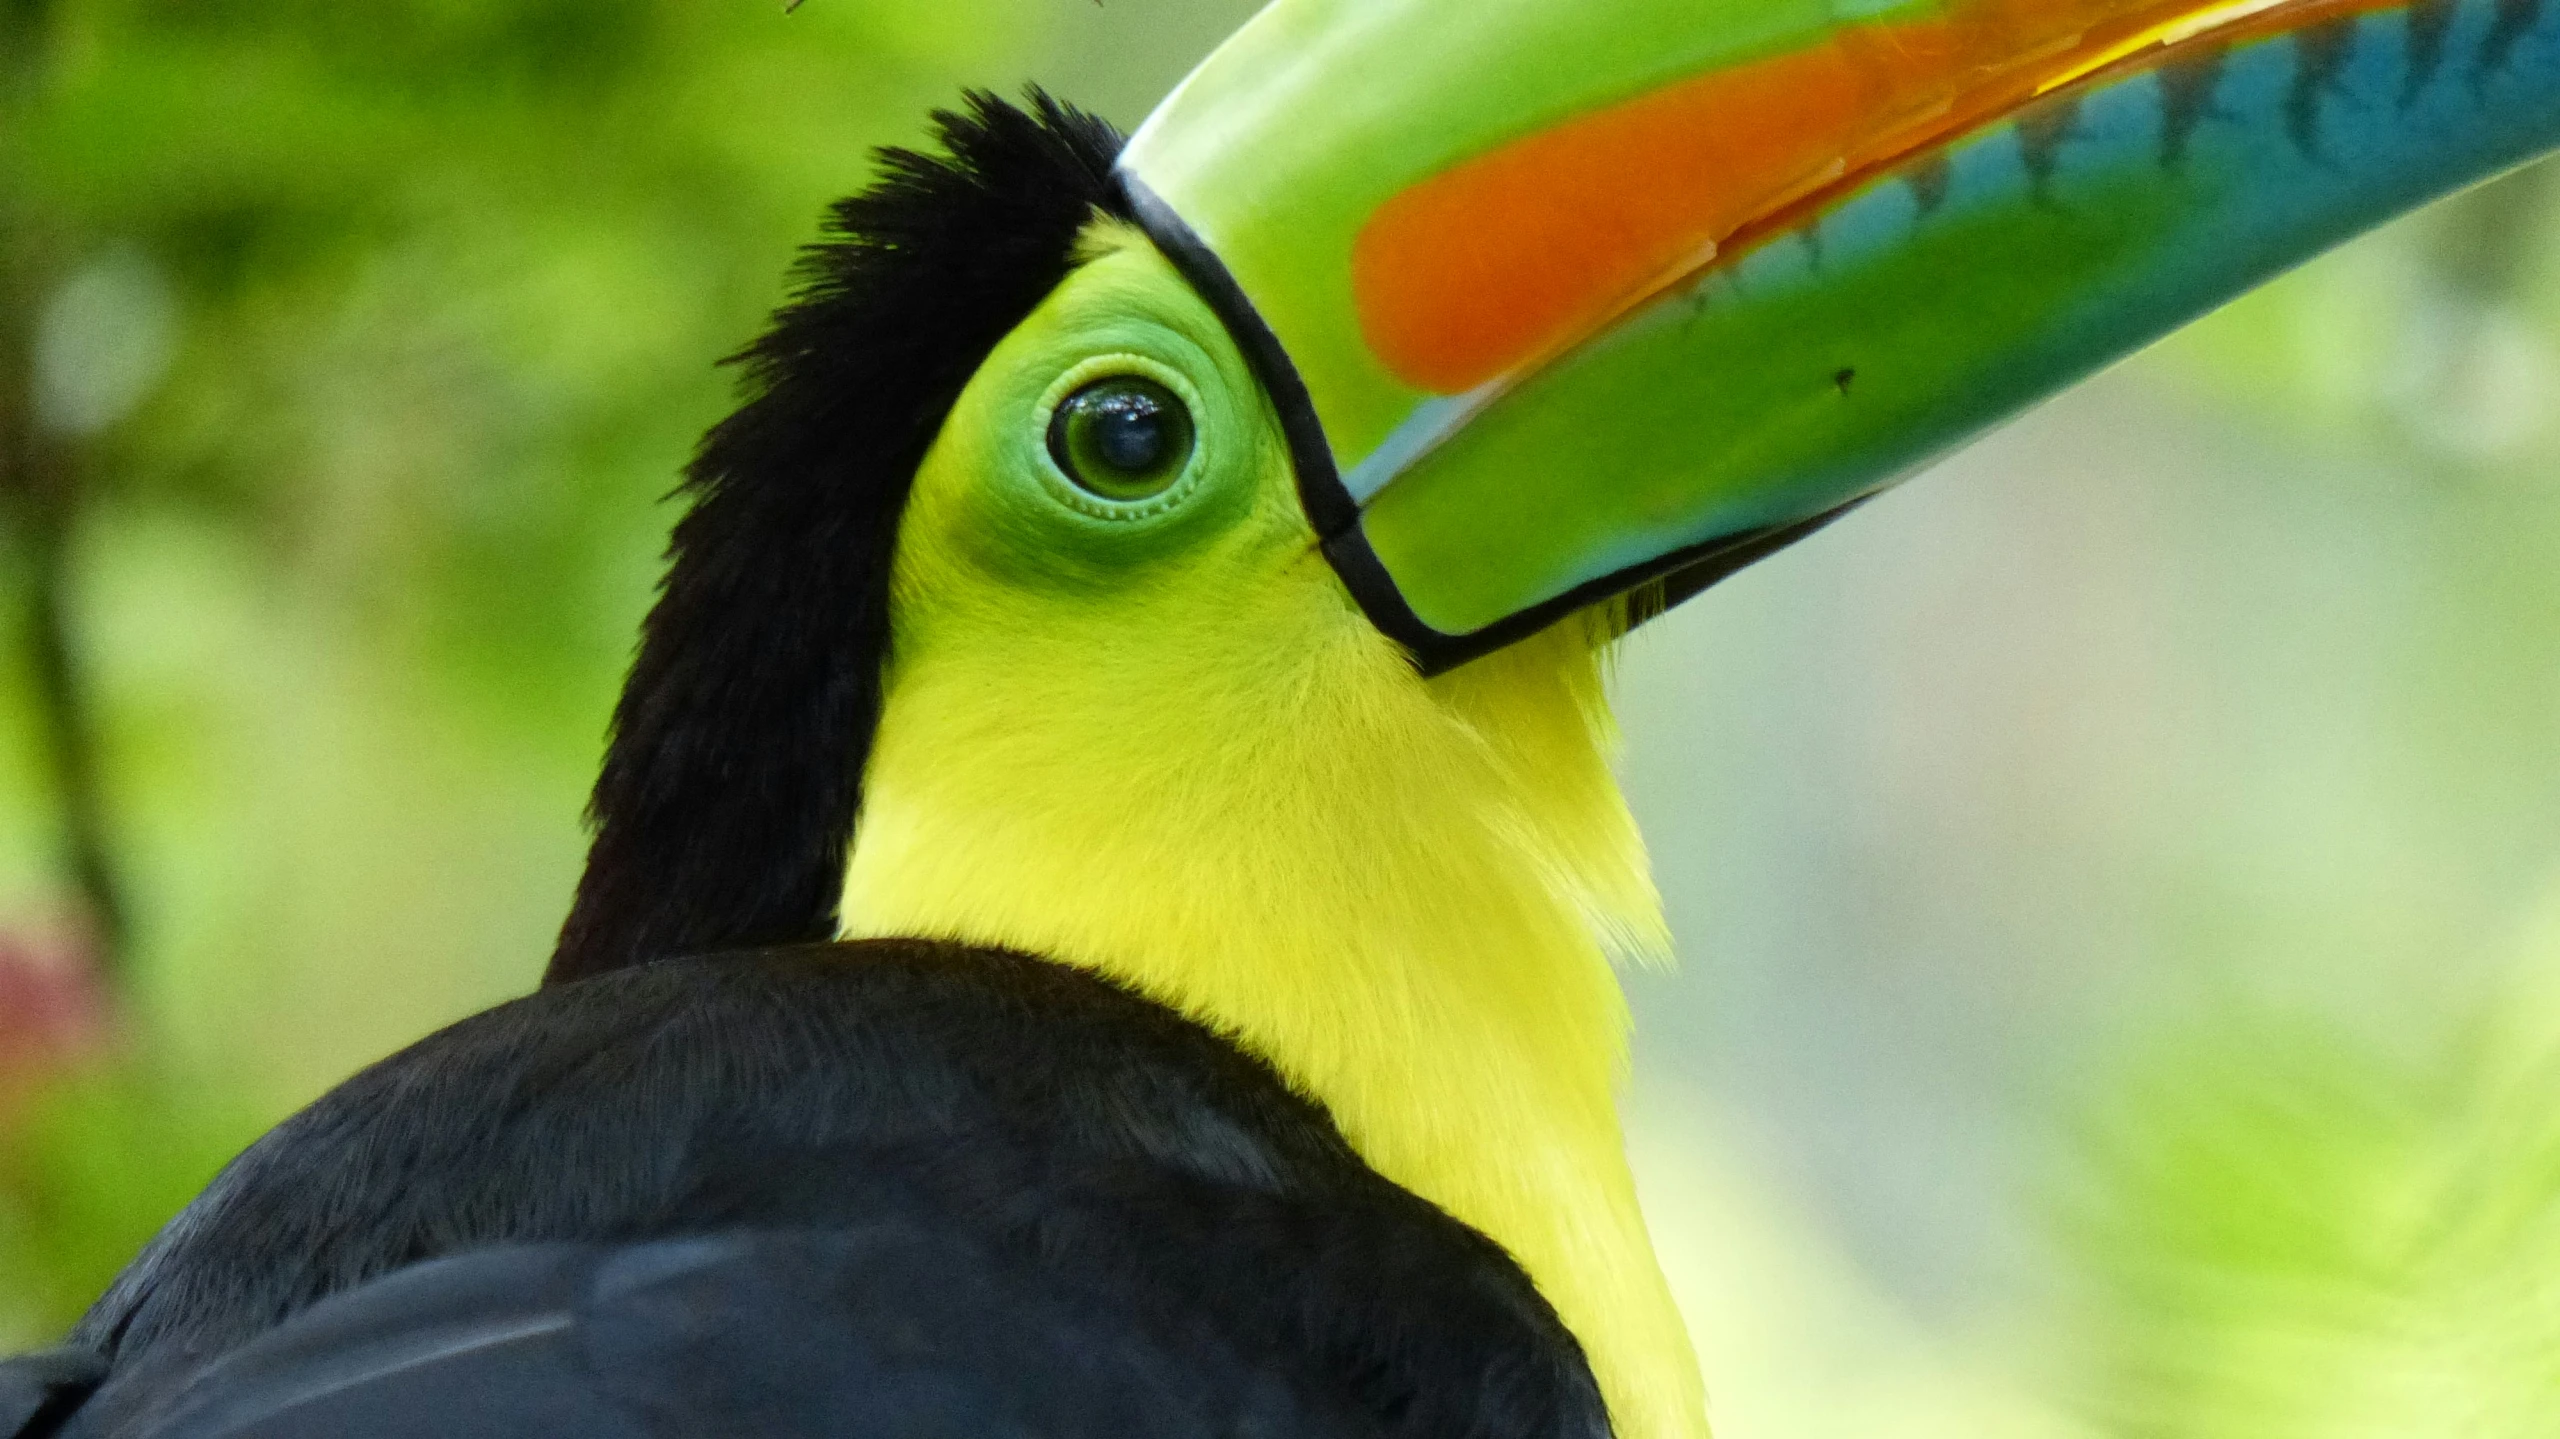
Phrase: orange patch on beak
x=1516 y=254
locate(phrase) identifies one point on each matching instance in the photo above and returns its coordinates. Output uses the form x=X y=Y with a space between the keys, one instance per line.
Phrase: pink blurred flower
x=54 y=1010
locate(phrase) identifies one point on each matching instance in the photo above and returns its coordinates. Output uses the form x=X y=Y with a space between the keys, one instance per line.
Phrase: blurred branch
x=43 y=488
x=40 y=501
x=2474 y=376
x=26 y=33
x=2487 y=253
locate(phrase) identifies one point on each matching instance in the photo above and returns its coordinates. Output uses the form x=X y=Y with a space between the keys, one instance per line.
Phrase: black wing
x=38 y=1390
x=874 y=1172
x=887 y=1332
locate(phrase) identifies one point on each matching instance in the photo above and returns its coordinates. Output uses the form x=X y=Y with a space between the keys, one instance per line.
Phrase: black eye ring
x=1123 y=438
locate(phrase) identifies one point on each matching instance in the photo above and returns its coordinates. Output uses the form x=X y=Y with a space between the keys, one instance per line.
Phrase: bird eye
x=1123 y=438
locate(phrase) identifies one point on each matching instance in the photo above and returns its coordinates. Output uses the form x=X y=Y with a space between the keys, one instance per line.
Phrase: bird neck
x=1400 y=896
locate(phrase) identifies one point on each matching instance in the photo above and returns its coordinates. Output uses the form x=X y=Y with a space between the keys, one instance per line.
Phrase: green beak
x=1558 y=297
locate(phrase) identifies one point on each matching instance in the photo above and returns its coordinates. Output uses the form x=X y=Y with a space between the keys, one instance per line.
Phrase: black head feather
x=734 y=772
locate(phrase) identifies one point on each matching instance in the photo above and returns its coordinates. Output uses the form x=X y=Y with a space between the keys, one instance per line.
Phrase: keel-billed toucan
x=1105 y=865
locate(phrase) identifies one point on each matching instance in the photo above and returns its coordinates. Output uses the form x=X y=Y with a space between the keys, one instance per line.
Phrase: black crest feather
x=730 y=785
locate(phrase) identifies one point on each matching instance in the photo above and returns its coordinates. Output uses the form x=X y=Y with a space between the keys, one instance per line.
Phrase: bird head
x=1192 y=557
x=1474 y=322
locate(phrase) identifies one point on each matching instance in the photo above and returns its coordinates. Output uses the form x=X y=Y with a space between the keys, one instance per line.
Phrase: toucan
x=1106 y=868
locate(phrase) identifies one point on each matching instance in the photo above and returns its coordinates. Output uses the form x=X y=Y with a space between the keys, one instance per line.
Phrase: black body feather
x=37 y=1391
x=879 y=1148
x=728 y=793
x=897 y=1328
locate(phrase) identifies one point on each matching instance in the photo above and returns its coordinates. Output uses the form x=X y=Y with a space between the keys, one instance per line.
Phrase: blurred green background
x=2116 y=878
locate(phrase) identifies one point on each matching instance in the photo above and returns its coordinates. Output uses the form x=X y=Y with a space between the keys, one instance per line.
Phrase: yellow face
x=1134 y=722
x=1137 y=691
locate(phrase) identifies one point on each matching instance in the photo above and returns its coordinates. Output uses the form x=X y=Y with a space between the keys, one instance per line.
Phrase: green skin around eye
x=995 y=512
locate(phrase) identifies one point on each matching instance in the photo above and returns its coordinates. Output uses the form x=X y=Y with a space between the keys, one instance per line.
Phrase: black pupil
x=1128 y=432
x=1123 y=438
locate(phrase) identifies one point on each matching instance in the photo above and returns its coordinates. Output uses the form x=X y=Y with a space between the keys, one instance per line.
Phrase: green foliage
x=90 y=1167
x=2296 y=1234
x=375 y=334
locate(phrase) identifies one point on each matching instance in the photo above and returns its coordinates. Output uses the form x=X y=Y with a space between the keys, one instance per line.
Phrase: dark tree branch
x=26 y=32
x=2487 y=254
x=69 y=714
x=40 y=504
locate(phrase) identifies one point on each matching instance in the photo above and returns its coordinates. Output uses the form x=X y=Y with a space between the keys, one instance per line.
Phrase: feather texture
x=729 y=789
x=1062 y=1145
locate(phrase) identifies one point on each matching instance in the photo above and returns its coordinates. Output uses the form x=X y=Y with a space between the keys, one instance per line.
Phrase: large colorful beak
x=1560 y=296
